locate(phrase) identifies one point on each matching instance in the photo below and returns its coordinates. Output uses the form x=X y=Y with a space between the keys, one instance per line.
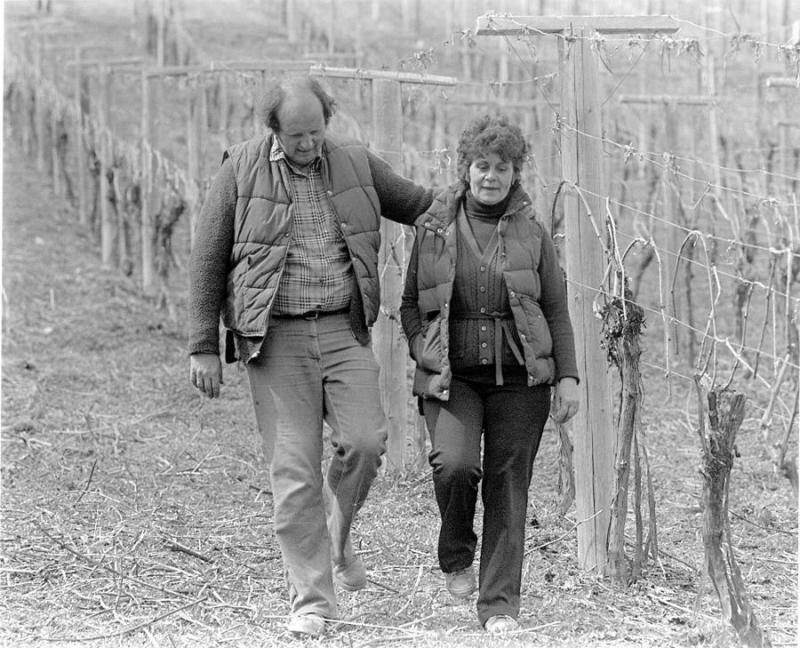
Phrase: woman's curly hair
x=275 y=94
x=487 y=134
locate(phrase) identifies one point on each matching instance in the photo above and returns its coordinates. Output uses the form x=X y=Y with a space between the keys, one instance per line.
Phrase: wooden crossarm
x=783 y=82
x=228 y=66
x=683 y=100
x=402 y=77
x=494 y=25
x=118 y=62
x=503 y=103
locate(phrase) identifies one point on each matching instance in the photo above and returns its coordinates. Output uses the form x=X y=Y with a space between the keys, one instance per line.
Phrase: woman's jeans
x=511 y=419
x=310 y=371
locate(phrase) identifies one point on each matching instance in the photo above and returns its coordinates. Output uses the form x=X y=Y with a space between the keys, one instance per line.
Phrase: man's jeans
x=310 y=371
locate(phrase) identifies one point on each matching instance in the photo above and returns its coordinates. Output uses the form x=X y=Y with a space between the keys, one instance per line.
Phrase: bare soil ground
x=135 y=513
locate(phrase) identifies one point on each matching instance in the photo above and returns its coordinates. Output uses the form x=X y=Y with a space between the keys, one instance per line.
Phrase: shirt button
x=483 y=309
x=483 y=268
x=484 y=360
x=483 y=328
x=483 y=345
x=483 y=288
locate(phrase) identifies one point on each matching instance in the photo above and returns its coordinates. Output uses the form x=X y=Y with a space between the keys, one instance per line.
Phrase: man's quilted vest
x=263 y=226
x=520 y=240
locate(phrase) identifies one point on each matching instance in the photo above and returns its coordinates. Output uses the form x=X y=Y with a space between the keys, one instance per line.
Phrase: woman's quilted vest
x=520 y=239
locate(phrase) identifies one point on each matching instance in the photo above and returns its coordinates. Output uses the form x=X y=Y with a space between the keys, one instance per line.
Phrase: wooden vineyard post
x=585 y=211
x=150 y=191
x=389 y=345
x=108 y=220
x=387 y=126
x=56 y=123
x=194 y=142
x=40 y=114
x=581 y=156
x=81 y=94
x=292 y=22
x=784 y=126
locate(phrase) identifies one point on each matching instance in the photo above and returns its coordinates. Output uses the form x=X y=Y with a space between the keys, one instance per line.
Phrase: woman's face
x=490 y=178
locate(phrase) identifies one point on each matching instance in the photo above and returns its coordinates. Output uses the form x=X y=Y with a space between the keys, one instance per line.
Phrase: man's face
x=302 y=128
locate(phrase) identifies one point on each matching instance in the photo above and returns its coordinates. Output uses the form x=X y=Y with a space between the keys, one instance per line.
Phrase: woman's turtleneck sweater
x=483 y=218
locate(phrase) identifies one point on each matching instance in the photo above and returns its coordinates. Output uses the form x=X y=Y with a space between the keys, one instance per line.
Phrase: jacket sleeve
x=409 y=310
x=209 y=261
x=553 y=302
x=401 y=199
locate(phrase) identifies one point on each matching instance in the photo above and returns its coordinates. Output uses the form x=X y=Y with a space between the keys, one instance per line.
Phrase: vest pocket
x=539 y=338
x=429 y=349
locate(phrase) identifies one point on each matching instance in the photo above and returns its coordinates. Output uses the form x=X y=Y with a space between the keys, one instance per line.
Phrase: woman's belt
x=501 y=324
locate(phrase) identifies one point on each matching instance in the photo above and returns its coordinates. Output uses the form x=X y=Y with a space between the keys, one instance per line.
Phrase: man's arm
x=208 y=276
x=409 y=310
x=208 y=264
x=401 y=199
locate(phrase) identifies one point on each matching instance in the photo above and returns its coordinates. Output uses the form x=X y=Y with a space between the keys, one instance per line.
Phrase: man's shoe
x=351 y=576
x=500 y=624
x=306 y=626
x=461 y=583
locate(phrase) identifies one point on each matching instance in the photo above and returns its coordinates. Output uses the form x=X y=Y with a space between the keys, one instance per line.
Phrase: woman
x=485 y=314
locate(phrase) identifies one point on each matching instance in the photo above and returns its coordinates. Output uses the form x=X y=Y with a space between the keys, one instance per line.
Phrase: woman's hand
x=566 y=400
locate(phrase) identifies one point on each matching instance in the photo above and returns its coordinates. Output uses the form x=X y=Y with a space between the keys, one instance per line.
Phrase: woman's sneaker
x=500 y=624
x=461 y=583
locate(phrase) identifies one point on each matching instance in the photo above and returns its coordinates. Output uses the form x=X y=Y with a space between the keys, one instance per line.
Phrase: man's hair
x=276 y=94
x=487 y=134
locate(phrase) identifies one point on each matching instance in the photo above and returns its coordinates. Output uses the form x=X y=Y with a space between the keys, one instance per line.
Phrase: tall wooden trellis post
x=388 y=342
x=784 y=126
x=585 y=211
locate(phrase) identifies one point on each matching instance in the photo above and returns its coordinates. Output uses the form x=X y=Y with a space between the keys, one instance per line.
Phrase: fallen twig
x=175 y=546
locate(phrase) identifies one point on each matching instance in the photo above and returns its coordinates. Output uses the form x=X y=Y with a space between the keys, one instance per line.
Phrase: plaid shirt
x=319 y=272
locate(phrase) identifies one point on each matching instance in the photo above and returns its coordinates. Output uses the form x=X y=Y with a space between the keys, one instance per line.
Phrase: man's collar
x=276 y=150
x=277 y=153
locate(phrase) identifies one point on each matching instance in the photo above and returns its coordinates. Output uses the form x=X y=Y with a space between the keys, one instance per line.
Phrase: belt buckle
x=312 y=315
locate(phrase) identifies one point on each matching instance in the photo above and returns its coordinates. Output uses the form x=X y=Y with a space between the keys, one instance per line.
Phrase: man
x=286 y=252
